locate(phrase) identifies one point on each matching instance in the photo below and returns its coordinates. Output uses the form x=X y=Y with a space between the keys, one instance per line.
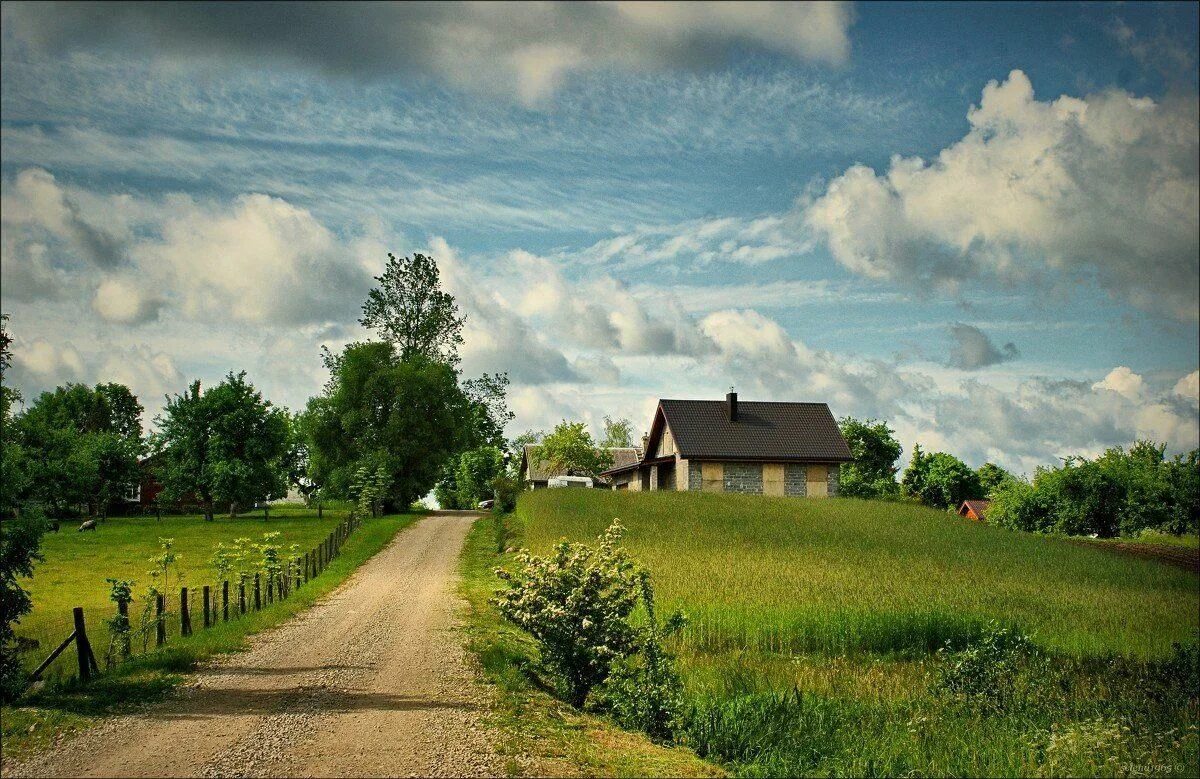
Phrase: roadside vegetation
x=849 y=637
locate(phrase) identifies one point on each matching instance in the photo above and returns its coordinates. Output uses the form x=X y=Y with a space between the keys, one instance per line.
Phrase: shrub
x=940 y=480
x=476 y=470
x=991 y=673
x=577 y=604
x=506 y=487
x=20 y=541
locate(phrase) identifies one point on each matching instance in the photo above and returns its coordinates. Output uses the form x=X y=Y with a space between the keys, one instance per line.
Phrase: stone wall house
x=752 y=447
x=536 y=473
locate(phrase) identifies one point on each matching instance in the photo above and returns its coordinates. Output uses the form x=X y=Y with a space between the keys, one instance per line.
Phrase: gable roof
x=980 y=507
x=536 y=470
x=764 y=431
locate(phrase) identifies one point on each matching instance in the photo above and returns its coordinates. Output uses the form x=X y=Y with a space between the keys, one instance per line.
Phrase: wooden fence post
x=123 y=610
x=318 y=563
x=87 y=661
x=160 y=607
x=257 y=593
x=207 y=605
x=185 y=614
x=306 y=565
x=225 y=600
x=241 y=597
x=319 y=512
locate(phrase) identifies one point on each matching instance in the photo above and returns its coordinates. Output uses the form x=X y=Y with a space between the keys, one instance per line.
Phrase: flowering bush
x=576 y=603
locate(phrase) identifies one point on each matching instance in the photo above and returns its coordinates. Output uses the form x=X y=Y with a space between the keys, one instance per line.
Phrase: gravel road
x=371 y=681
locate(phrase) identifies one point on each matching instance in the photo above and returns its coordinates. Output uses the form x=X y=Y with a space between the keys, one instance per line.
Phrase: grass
x=63 y=706
x=542 y=736
x=837 y=576
x=814 y=625
x=77 y=564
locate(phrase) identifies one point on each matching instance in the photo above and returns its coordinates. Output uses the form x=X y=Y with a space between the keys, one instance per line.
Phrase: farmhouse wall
x=694 y=479
x=795 y=480
x=743 y=477
x=834 y=478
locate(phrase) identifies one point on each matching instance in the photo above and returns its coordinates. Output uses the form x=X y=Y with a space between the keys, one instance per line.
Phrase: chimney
x=645 y=443
x=731 y=405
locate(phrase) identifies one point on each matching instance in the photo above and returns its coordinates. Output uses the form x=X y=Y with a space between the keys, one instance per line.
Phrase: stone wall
x=694 y=480
x=834 y=479
x=795 y=480
x=744 y=477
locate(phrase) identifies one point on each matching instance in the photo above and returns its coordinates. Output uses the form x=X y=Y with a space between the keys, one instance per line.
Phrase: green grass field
x=77 y=564
x=64 y=706
x=814 y=624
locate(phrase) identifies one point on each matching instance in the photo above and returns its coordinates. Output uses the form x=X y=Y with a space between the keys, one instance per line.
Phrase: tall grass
x=841 y=575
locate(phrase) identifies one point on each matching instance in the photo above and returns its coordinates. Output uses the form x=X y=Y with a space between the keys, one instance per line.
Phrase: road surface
x=371 y=681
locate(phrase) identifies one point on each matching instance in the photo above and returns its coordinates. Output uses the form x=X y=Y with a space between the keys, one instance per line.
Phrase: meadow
x=814 y=630
x=77 y=564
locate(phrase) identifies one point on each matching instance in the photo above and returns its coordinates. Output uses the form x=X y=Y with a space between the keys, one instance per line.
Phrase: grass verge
x=541 y=735
x=62 y=708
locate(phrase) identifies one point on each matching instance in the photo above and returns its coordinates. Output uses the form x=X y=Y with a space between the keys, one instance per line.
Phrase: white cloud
x=1124 y=382
x=36 y=199
x=1188 y=386
x=1104 y=185
x=125 y=301
x=522 y=49
x=972 y=349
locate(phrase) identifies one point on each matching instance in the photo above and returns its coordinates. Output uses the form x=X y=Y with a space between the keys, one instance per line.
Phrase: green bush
x=991 y=674
x=577 y=604
x=940 y=480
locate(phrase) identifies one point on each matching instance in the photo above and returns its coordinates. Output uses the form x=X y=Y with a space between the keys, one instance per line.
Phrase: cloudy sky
x=978 y=223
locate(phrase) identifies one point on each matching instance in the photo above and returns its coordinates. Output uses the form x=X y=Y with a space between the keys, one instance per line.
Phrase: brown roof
x=764 y=431
x=980 y=507
x=542 y=471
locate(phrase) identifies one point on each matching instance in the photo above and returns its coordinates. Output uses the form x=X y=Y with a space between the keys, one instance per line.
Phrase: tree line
x=1119 y=493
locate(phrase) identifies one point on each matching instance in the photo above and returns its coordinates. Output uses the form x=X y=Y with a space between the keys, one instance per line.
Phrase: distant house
x=974 y=509
x=761 y=448
x=537 y=473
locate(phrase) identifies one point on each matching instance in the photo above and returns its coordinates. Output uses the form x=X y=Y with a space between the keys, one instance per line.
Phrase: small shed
x=974 y=509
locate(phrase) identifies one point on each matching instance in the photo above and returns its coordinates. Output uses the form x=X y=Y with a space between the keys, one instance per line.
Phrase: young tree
x=477 y=468
x=227 y=445
x=410 y=415
x=570 y=448
x=411 y=311
x=488 y=396
x=88 y=441
x=940 y=480
x=992 y=477
x=617 y=432
x=875 y=449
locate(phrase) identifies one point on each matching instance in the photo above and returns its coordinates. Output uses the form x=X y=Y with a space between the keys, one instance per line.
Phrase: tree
x=874 y=447
x=88 y=441
x=410 y=311
x=569 y=448
x=21 y=536
x=477 y=468
x=227 y=445
x=410 y=415
x=992 y=477
x=940 y=480
x=489 y=408
x=617 y=432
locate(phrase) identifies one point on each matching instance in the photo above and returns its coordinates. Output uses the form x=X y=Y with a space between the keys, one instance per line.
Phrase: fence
x=219 y=603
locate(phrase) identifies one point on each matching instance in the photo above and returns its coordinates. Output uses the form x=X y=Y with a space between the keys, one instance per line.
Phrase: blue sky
x=978 y=221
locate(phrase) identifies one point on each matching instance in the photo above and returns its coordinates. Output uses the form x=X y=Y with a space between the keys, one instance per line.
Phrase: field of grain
x=814 y=628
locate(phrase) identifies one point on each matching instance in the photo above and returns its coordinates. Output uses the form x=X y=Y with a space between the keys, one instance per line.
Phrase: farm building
x=537 y=473
x=761 y=448
x=974 y=509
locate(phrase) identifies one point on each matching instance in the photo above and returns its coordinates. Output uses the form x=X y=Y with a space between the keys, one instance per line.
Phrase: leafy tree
x=992 y=477
x=874 y=447
x=477 y=468
x=940 y=480
x=88 y=441
x=227 y=445
x=569 y=448
x=489 y=408
x=411 y=311
x=20 y=538
x=410 y=415
x=617 y=432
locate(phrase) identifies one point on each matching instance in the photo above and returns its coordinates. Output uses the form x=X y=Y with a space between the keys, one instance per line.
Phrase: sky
x=978 y=222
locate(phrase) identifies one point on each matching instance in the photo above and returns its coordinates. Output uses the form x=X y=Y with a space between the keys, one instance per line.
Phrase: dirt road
x=371 y=681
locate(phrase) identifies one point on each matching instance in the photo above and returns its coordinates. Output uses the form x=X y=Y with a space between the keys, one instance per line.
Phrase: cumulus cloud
x=1106 y=185
x=972 y=349
x=523 y=49
x=1188 y=387
x=125 y=301
x=40 y=363
x=35 y=198
x=1123 y=382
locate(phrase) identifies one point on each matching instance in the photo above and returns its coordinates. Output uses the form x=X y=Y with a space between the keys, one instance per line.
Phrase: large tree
x=617 y=432
x=227 y=445
x=872 y=472
x=940 y=480
x=569 y=448
x=408 y=416
x=410 y=310
x=88 y=441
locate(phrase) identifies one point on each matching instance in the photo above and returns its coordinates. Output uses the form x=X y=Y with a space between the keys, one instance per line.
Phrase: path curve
x=371 y=681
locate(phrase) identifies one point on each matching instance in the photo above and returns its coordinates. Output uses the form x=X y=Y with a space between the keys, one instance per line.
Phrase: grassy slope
x=60 y=709
x=544 y=737
x=787 y=575
x=76 y=565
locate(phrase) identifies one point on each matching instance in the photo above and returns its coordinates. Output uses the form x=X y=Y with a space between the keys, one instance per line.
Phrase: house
x=537 y=474
x=761 y=448
x=974 y=509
